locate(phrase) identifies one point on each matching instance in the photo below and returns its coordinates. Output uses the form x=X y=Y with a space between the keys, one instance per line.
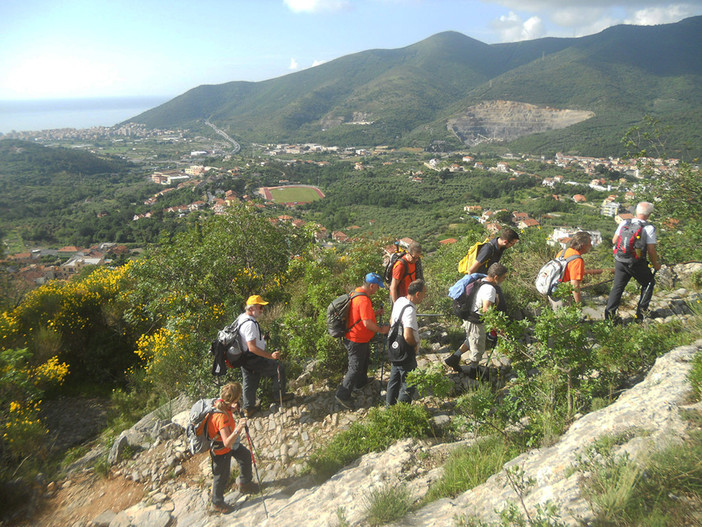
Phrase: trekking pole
x=382 y=362
x=253 y=460
x=280 y=388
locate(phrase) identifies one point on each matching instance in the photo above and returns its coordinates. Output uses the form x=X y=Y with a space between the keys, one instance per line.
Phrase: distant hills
x=576 y=95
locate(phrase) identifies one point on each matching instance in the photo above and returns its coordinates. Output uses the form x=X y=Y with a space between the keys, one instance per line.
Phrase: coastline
x=48 y=114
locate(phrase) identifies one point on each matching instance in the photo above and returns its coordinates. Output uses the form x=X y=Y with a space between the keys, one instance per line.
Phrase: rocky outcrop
x=650 y=407
x=491 y=121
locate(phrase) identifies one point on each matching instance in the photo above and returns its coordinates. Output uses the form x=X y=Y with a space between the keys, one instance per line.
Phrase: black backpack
x=462 y=306
x=226 y=348
x=398 y=349
x=338 y=314
x=398 y=255
x=631 y=242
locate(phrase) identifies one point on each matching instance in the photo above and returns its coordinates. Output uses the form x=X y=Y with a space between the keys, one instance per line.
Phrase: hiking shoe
x=289 y=396
x=365 y=383
x=250 y=412
x=249 y=488
x=454 y=362
x=223 y=508
x=346 y=403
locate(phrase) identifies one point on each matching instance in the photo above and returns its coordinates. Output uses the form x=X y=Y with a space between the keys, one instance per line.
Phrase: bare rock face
x=491 y=121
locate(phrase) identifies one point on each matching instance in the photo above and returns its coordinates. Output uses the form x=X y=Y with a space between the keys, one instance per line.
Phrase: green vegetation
x=470 y=466
x=387 y=504
x=381 y=428
x=663 y=489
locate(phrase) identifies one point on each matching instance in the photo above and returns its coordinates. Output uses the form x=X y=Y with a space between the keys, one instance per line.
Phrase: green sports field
x=291 y=194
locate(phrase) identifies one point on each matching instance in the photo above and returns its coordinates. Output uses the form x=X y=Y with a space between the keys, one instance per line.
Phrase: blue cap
x=374 y=278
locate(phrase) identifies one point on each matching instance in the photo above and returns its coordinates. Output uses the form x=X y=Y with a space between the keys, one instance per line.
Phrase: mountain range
x=577 y=95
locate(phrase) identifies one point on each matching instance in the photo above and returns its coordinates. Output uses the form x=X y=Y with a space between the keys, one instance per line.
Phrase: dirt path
x=84 y=499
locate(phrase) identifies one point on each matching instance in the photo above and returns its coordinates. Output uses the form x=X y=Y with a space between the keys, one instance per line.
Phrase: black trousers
x=357 y=374
x=221 y=468
x=622 y=274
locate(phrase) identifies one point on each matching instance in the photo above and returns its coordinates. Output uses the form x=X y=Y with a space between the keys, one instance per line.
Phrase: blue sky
x=96 y=48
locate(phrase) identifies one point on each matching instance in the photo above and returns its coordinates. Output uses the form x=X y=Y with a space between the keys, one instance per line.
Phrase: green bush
x=379 y=430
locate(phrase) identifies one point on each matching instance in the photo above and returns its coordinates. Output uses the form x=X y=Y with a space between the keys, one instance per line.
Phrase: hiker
x=491 y=252
x=404 y=271
x=404 y=313
x=634 y=265
x=580 y=244
x=488 y=294
x=257 y=362
x=226 y=434
x=363 y=325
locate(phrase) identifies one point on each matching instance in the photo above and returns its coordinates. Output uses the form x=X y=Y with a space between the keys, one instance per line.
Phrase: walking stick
x=280 y=388
x=382 y=360
x=253 y=460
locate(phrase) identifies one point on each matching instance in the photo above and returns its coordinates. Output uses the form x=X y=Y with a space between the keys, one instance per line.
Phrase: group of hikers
x=634 y=244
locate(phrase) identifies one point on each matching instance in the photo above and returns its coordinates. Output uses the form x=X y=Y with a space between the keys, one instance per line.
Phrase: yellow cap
x=256 y=300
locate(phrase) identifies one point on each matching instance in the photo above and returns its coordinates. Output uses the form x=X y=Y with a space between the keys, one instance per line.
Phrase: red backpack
x=631 y=242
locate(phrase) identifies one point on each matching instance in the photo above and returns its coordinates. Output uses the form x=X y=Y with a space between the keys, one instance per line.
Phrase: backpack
x=469 y=259
x=463 y=303
x=631 y=242
x=226 y=348
x=338 y=314
x=198 y=439
x=398 y=349
x=551 y=274
x=398 y=256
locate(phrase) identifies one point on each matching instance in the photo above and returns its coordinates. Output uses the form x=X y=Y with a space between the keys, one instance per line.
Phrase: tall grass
x=378 y=431
x=471 y=466
x=387 y=504
x=663 y=490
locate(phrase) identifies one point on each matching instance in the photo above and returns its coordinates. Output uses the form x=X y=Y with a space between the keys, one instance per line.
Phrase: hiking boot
x=346 y=403
x=250 y=412
x=289 y=396
x=222 y=508
x=249 y=488
x=365 y=383
x=454 y=362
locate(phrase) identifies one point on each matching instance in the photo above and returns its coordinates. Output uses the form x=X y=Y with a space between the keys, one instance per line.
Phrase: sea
x=33 y=115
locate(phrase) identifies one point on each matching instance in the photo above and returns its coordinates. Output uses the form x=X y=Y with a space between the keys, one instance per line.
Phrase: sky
x=55 y=49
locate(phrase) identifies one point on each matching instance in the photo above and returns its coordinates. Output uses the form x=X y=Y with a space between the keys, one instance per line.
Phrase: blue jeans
x=398 y=391
x=255 y=367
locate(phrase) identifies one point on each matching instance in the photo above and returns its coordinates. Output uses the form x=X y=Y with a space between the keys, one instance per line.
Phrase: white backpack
x=551 y=274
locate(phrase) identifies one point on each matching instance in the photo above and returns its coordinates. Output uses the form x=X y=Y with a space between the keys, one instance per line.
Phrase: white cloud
x=513 y=28
x=315 y=6
x=576 y=18
x=660 y=15
x=318 y=62
x=293 y=65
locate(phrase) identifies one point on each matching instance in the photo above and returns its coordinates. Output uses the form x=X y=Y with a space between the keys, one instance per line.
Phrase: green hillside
x=405 y=96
